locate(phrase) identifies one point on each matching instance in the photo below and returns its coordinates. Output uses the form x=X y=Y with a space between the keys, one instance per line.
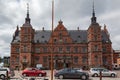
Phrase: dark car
x=33 y=72
x=69 y=73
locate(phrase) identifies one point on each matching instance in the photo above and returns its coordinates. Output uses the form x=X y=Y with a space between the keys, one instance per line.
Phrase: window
x=44 y=49
x=65 y=40
x=37 y=50
x=79 y=36
x=44 y=59
x=84 y=49
x=84 y=59
x=26 y=38
x=37 y=58
x=96 y=59
x=119 y=55
x=105 y=60
x=60 y=49
x=25 y=30
x=24 y=59
x=68 y=49
x=60 y=35
x=17 y=59
x=95 y=37
x=17 y=50
x=75 y=49
x=42 y=36
x=104 y=49
x=75 y=59
x=25 y=49
x=96 y=48
x=55 y=40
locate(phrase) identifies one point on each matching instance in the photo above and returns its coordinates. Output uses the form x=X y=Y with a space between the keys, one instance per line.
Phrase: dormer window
x=37 y=41
x=43 y=36
x=78 y=36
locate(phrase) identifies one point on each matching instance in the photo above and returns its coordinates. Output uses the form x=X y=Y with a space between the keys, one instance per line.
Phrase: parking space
x=18 y=76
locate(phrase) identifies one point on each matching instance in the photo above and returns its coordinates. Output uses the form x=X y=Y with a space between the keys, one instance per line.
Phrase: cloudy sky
x=73 y=13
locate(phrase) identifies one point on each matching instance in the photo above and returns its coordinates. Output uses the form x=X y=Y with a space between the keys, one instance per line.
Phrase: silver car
x=105 y=72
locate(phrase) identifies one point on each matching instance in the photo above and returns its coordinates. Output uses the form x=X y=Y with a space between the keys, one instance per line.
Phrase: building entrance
x=59 y=64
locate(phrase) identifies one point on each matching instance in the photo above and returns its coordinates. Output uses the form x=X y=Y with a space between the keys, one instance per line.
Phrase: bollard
x=7 y=74
x=100 y=75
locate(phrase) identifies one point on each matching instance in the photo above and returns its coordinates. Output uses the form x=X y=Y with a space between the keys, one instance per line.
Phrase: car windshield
x=99 y=69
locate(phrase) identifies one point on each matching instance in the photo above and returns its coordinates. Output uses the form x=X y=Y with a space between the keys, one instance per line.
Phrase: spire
x=93 y=10
x=93 y=19
x=27 y=19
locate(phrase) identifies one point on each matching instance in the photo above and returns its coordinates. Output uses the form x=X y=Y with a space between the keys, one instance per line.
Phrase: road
x=18 y=76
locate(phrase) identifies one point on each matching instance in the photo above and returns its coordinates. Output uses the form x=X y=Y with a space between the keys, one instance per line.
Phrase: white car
x=3 y=72
x=105 y=72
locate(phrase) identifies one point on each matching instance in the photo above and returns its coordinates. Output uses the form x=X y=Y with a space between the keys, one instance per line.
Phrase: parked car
x=105 y=72
x=3 y=72
x=79 y=69
x=70 y=73
x=33 y=72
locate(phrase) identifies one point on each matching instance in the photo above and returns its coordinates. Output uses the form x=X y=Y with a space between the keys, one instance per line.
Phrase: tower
x=27 y=38
x=94 y=42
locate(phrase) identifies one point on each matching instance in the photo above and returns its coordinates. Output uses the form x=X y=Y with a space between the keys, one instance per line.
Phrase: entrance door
x=60 y=65
x=24 y=65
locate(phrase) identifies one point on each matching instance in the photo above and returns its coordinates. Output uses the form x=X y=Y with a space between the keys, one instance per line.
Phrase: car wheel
x=61 y=76
x=24 y=75
x=95 y=75
x=84 y=77
x=2 y=76
x=40 y=75
x=112 y=75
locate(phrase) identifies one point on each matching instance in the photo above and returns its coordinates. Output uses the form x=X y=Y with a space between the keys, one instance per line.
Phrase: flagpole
x=52 y=40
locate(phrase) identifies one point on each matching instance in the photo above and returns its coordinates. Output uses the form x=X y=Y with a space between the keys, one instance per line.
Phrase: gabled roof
x=42 y=36
x=78 y=36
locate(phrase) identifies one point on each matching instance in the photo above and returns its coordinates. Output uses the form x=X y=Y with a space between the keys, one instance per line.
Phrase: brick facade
x=71 y=48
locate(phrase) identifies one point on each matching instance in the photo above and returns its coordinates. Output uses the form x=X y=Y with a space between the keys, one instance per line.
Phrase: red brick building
x=71 y=48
